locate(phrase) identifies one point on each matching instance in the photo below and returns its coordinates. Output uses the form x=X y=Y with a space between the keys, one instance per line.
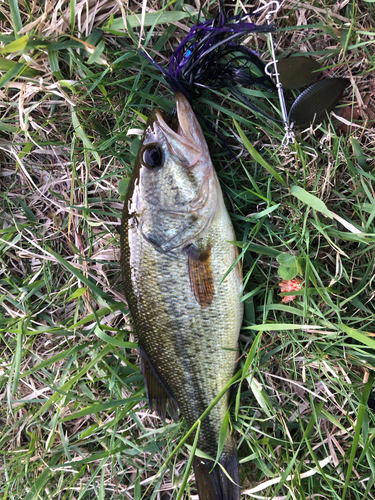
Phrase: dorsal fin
x=155 y=389
x=200 y=274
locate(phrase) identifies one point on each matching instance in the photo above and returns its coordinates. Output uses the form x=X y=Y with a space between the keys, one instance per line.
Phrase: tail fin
x=216 y=485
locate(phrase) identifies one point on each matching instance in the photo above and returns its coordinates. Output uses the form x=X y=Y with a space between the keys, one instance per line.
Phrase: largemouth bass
x=175 y=252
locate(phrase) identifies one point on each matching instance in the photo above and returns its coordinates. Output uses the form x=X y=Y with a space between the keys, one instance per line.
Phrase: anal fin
x=156 y=392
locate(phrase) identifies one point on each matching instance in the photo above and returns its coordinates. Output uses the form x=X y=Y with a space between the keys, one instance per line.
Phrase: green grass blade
x=151 y=19
x=189 y=463
x=83 y=136
x=11 y=74
x=361 y=413
x=76 y=272
x=257 y=157
x=17 y=363
x=15 y=46
x=114 y=341
x=280 y=326
x=36 y=489
x=363 y=337
x=310 y=200
x=15 y=16
x=96 y=408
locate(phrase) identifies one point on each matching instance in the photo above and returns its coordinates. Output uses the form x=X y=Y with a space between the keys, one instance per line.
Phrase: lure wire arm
x=271 y=70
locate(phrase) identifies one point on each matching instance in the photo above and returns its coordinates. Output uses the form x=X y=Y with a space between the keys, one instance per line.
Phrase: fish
x=176 y=251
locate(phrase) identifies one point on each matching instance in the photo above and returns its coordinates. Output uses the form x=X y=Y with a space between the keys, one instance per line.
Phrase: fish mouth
x=187 y=121
x=188 y=131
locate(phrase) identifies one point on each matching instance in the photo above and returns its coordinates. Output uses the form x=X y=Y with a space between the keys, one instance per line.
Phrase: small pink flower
x=290 y=286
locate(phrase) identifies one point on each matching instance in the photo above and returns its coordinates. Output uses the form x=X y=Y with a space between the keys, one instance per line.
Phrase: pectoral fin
x=200 y=274
x=155 y=389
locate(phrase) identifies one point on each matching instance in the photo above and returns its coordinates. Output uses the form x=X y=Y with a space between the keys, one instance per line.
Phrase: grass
x=74 y=423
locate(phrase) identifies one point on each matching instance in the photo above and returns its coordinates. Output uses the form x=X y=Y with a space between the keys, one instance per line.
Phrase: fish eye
x=153 y=156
